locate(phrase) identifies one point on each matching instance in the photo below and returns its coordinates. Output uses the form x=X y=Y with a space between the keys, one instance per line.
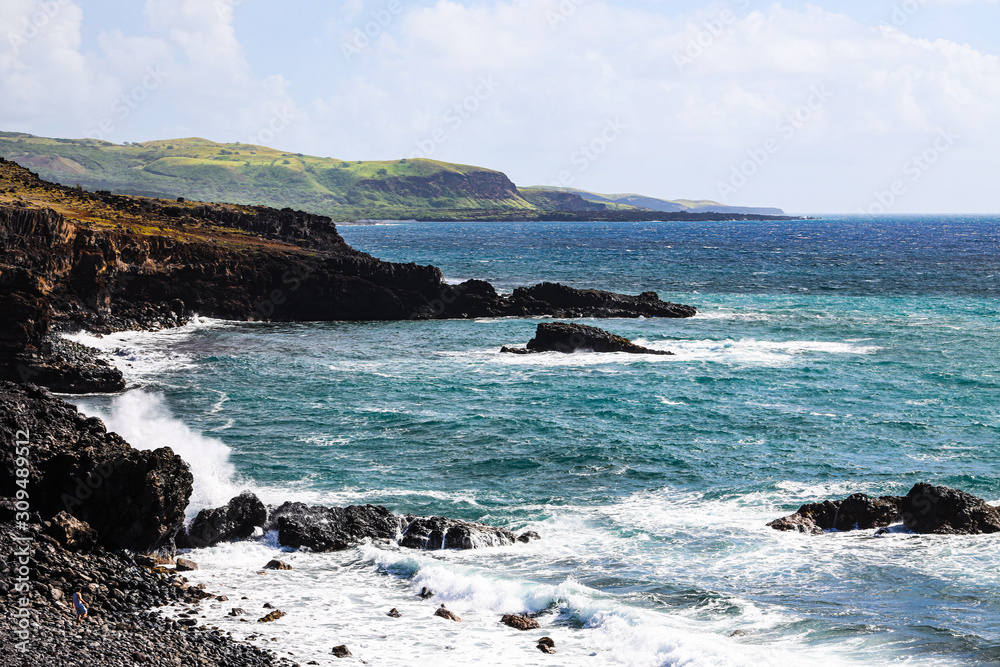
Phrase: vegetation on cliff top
x=344 y=190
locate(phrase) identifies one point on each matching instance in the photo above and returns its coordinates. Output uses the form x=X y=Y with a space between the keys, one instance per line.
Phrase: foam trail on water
x=145 y=421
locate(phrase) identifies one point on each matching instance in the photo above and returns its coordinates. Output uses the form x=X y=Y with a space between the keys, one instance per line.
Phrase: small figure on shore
x=80 y=606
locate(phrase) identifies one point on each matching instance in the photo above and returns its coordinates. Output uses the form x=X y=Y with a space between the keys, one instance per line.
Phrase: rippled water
x=830 y=357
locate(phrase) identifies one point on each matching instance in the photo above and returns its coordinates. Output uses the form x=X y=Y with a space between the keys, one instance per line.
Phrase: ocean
x=829 y=357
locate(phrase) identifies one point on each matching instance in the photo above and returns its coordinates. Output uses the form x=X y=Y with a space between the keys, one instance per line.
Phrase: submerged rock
x=275 y=564
x=273 y=616
x=945 y=511
x=341 y=651
x=519 y=622
x=444 y=612
x=925 y=509
x=546 y=645
x=566 y=337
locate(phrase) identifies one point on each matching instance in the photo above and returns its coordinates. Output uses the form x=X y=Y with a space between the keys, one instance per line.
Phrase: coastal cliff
x=71 y=259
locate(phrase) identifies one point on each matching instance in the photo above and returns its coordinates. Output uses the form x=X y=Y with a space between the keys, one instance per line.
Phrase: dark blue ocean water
x=830 y=357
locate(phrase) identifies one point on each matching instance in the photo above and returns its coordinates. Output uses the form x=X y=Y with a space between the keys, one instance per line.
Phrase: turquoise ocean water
x=829 y=357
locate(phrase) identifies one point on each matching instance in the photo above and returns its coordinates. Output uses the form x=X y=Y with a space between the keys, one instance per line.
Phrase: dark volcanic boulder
x=236 y=521
x=566 y=337
x=438 y=532
x=133 y=499
x=71 y=533
x=857 y=512
x=338 y=528
x=939 y=509
x=332 y=528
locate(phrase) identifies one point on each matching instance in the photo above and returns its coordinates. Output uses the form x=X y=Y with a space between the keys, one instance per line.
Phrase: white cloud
x=561 y=71
x=686 y=126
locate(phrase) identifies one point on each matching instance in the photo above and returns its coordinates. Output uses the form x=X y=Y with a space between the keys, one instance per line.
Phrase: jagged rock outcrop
x=438 y=532
x=138 y=263
x=323 y=529
x=941 y=510
x=925 y=509
x=857 y=512
x=236 y=521
x=566 y=337
x=332 y=528
x=132 y=499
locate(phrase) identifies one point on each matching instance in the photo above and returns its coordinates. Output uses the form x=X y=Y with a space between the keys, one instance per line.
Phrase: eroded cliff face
x=110 y=262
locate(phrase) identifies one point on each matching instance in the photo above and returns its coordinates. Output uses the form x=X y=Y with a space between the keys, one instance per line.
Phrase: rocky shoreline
x=80 y=507
x=71 y=259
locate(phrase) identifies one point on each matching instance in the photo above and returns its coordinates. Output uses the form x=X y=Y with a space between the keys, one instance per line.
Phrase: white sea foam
x=145 y=421
x=143 y=355
x=342 y=598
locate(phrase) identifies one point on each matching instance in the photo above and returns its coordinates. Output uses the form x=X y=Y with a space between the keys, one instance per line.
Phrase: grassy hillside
x=246 y=174
x=202 y=170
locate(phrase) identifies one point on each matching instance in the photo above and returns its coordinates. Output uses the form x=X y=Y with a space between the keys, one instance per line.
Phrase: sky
x=832 y=106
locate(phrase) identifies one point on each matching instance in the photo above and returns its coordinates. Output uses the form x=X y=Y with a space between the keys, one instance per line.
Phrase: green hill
x=246 y=174
x=203 y=170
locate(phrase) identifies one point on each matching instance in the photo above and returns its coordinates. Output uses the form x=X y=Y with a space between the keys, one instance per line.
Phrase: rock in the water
x=546 y=645
x=236 y=521
x=275 y=564
x=566 y=337
x=425 y=593
x=857 y=512
x=941 y=510
x=341 y=651
x=133 y=499
x=438 y=532
x=519 y=622
x=528 y=536
x=185 y=565
x=236 y=611
x=73 y=534
x=324 y=529
x=443 y=612
x=394 y=613
x=273 y=616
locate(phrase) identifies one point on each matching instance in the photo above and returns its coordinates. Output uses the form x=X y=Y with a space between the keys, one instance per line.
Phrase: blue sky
x=815 y=107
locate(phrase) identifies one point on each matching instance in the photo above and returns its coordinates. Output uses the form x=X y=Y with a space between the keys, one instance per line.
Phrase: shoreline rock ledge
x=926 y=509
x=567 y=338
